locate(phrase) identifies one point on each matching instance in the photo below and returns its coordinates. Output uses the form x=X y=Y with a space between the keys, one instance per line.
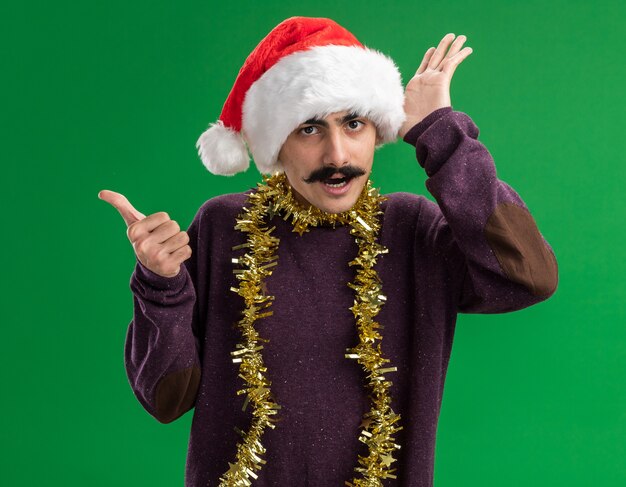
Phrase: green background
x=113 y=95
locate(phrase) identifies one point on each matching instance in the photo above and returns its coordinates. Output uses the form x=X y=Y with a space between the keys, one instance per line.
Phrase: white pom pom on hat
x=304 y=68
x=223 y=150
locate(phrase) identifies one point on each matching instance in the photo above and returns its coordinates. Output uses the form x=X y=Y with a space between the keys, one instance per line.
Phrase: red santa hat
x=304 y=68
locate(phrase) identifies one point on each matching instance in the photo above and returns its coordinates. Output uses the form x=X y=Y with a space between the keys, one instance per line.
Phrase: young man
x=309 y=321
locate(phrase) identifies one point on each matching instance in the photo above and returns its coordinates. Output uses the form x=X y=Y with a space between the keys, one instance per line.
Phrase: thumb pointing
x=129 y=213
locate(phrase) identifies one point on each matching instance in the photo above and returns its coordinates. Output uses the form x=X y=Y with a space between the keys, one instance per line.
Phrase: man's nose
x=337 y=153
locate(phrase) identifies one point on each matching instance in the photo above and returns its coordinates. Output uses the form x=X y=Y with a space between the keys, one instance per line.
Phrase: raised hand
x=429 y=89
x=159 y=243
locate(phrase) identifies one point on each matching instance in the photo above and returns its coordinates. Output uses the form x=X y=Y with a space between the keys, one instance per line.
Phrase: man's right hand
x=159 y=243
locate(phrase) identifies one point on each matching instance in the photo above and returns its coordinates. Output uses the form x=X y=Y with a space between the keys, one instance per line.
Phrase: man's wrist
x=408 y=124
x=420 y=127
x=412 y=120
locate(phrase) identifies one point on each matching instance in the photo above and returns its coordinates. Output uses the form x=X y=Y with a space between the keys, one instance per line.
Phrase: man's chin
x=336 y=205
x=339 y=201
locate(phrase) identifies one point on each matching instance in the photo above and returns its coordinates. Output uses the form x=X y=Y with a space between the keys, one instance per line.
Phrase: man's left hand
x=429 y=89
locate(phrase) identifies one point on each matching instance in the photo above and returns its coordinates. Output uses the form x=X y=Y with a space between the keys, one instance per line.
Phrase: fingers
x=165 y=253
x=119 y=201
x=164 y=249
x=164 y=239
x=454 y=61
x=138 y=224
x=176 y=242
x=453 y=56
x=456 y=46
x=441 y=50
x=172 y=268
x=425 y=60
x=165 y=232
x=167 y=264
x=158 y=225
x=182 y=254
x=158 y=242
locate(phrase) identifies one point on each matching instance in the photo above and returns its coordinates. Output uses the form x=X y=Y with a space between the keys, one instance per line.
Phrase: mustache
x=326 y=172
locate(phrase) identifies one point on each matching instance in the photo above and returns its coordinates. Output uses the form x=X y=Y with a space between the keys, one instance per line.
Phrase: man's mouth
x=337 y=182
x=337 y=185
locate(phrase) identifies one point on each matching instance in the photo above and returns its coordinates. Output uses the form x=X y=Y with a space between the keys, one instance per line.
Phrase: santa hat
x=304 y=68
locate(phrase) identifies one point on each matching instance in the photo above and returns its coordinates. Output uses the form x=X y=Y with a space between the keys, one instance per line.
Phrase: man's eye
x=310 y=130
x=355 y=124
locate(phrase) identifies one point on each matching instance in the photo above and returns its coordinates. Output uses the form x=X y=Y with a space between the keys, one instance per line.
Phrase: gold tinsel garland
x=274 y=196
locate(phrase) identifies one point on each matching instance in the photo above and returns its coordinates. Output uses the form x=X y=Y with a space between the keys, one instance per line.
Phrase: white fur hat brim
x=306 y=84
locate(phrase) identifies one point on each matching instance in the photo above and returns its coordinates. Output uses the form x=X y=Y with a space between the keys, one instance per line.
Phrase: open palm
x=429 y=89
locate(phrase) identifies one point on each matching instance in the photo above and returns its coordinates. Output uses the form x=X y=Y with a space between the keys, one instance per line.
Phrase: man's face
x=328 y=160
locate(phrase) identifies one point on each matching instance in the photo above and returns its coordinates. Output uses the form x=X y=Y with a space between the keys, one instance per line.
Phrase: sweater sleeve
x=499 y=259
x=162 y=350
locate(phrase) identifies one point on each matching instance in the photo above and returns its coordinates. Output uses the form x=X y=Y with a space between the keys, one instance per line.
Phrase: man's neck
x=300 y=199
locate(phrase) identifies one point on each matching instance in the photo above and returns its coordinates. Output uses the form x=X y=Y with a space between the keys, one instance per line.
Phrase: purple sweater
x=477 y=251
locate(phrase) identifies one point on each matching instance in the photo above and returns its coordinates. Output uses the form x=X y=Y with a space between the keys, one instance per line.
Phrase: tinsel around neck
x=278 y=193
x=380 y=424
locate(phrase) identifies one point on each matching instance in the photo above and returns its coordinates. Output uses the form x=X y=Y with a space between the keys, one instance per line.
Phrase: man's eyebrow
x=324 y=123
